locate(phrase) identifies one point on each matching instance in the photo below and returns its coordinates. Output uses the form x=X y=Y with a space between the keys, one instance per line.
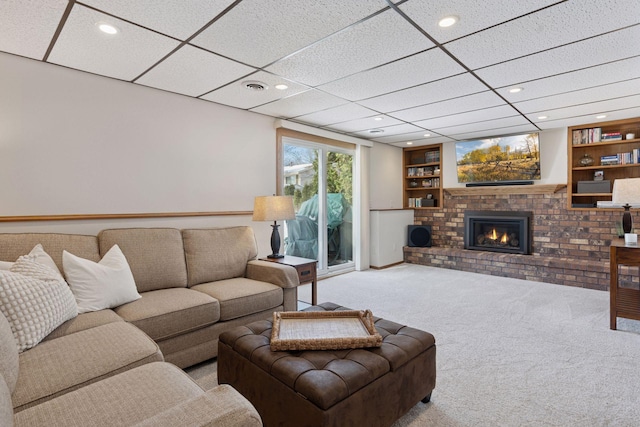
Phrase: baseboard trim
x=374 y=267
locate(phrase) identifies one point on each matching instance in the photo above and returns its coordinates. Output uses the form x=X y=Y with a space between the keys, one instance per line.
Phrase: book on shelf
x=611 y=136
x=609 y=160
x=432 y=156
x=586 y=136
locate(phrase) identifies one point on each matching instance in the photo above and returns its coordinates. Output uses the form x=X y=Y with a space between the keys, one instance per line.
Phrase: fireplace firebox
x=498 y=231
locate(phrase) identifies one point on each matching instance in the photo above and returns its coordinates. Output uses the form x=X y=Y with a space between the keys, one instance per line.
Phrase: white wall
x=389 y=235
x=553 y=159
x=385 y=177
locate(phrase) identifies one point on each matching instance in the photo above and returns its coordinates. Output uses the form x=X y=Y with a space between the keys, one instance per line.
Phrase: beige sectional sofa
x=194 y=284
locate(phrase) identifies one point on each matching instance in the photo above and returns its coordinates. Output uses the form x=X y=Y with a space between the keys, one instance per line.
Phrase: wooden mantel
x=505 y=189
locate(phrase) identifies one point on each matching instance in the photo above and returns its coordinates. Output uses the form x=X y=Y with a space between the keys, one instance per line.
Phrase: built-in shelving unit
x=594 y=143
x=422 y=172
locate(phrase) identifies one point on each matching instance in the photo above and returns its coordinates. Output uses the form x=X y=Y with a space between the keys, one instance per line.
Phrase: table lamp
x=273 y=208
x=626 y=191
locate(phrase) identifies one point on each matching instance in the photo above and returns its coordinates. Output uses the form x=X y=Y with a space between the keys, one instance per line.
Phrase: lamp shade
x=273 y=208
x=626 y=190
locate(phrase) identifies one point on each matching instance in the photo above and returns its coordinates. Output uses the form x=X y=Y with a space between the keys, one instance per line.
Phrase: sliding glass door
x=320 y=179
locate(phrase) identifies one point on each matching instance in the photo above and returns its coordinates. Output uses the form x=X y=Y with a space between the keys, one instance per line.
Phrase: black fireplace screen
x=498 y=231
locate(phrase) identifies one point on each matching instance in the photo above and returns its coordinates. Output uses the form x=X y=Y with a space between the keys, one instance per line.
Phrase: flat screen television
x=499 y=160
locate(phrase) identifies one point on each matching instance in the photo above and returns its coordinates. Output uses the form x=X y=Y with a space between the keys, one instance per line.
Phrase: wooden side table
x=306 y=268
x=625 y=302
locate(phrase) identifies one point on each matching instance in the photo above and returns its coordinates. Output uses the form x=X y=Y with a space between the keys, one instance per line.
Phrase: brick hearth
x=570 y=247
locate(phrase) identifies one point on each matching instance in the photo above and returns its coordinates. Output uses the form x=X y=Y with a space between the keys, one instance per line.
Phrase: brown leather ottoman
x=359 y=387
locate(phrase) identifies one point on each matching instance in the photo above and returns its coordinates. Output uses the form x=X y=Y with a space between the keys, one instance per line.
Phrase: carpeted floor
x=510 y=352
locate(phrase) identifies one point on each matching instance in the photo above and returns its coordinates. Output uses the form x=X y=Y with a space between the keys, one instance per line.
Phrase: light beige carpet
x=510 y=352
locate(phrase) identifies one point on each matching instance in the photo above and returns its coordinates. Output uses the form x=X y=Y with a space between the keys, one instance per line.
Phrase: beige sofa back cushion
x=14 y=245
x=155 y=255
x=8 y=355
x=218 y=253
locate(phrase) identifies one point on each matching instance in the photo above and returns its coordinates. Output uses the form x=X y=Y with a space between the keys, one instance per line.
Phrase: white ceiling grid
x=347 y=64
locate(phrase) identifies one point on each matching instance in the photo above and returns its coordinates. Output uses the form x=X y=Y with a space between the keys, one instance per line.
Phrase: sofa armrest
x=282 y=275
x=220 y=406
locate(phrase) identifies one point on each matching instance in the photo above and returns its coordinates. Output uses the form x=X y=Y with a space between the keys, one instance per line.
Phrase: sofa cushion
x=58 y=366
x=155 y=255
x=84 y=321
x=14 y=245
x=166 y=313
x=8 y=355
x=218 y=253
x=120 y=400
x=99 y=285
x=6 y=409
x=240 y=297
x=35 y=300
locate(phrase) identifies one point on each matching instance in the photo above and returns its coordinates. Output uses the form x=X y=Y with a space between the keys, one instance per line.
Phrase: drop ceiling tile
x=485 y=125
x=593 y=109
x=237 y=95
x=611 y=72
x=373 y=42
x=390 y=130
x=551 y=27
x=365 y=123
x=180 y=19
x=584 y=96
x=419 y=142
x=451 y=106
x=494 y=132
x=336 y=115
x=433 y=64
x=589 y=118
x=473 y=15
x=258 y=32
x=123 y=56
x=418 y=138
x=300 y=104
x=452 y=87
x=598 y=50
x=468 y=117
x=27 y=28
x=193 y=71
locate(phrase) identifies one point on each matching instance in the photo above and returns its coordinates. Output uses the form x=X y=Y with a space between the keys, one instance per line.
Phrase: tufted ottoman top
x=326 y=377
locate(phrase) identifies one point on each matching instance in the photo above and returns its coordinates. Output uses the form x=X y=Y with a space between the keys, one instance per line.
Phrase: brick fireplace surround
x=570 y=247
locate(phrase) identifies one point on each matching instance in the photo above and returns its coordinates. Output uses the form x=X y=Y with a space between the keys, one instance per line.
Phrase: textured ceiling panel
x=123 y=56
x=576 y=80
x=584 y=96
x=610 y=47
x=473 y=15
x=433 y=64
x=416 y=138
x=237 y=95
x=451 y=106
x=578 y=120
x=300 y=104
x=365 y=123
x=483 y=126
x=391 y=130
x=193 y=71
x=336 y=115
x=469 y=117
x=391 y=37
x=27 y=27
x=549 y=28
x=452 y=87
x=494 y=132
x=593 y=109
x=259 y=32
x=180 y=19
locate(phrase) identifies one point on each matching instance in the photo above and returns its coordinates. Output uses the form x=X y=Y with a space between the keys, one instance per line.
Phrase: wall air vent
x=255 y=85
x=376 y=131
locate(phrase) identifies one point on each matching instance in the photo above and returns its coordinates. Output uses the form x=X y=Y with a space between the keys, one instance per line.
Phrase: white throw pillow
x=5 y=265
x=96 y=286
x=40 y=256
x=35 y=301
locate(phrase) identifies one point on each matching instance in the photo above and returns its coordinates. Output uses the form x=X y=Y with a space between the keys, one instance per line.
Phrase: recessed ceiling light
x=281 y=87
x=515 y=90
x=601 y=116
x=448 y=21
x=107 y=28
x=377 y=119
x=255 y=85
x=376 y=131
x=542 y=117
x=427 y=134
x=409 y=143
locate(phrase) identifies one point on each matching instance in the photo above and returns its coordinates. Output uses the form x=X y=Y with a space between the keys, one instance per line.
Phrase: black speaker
x=420 y=236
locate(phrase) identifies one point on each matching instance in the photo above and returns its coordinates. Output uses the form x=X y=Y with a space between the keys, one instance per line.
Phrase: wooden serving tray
x=323 y=330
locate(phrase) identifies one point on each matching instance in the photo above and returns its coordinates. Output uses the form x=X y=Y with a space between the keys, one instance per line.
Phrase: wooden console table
x=306 y=268
x=625 y=302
